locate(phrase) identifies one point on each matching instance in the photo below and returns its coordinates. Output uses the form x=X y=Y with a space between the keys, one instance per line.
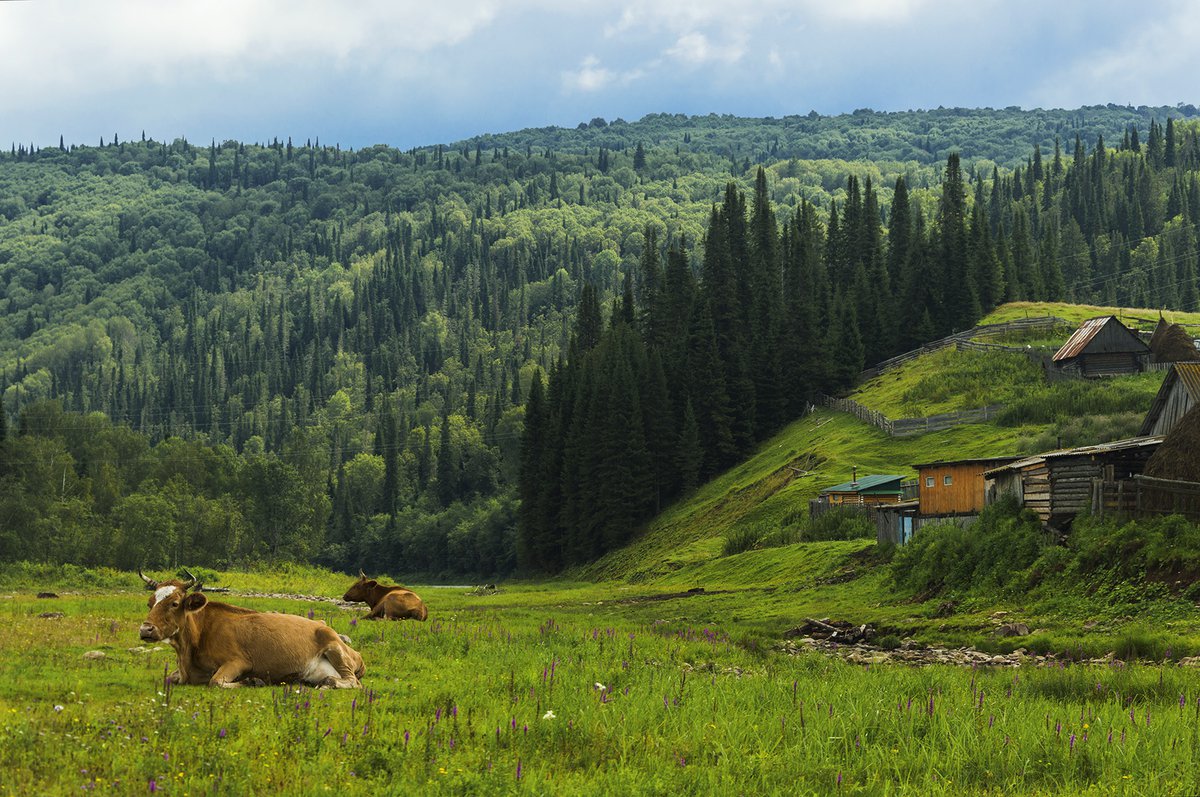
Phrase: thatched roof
x=1179 y=455
x=1171 y=343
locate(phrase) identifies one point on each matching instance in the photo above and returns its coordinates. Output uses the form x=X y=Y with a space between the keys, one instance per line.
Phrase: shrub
x=839 y=523
x=990 y=555
x=739 y=540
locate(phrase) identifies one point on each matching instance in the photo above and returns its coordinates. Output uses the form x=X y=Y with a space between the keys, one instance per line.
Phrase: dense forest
x=397 y=359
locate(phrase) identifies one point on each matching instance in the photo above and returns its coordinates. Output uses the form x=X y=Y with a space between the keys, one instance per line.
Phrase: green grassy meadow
x=569 y=688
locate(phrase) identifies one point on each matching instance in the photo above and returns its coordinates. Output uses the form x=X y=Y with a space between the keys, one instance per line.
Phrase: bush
x=992 y=554
x=839 y=523
x=739 y=540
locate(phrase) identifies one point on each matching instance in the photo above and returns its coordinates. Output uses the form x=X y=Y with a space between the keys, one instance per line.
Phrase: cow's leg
x=228 y=673
x=346 y=679
x=378 y=613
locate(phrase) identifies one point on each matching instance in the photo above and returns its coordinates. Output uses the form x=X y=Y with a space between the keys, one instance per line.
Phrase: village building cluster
x=1150 y=474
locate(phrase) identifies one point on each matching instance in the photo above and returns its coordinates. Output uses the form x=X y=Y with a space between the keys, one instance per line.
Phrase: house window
x=947 y=480
x=928 y=481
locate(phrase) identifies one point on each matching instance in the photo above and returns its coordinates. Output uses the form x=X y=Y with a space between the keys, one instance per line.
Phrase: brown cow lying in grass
x=388 y=603
x=224 y=645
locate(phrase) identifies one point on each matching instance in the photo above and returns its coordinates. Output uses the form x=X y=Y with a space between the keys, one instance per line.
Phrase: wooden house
x=955 y=488
x=1180 y=391
x=1103 y=347
x=1058 y=485
x=867 y=491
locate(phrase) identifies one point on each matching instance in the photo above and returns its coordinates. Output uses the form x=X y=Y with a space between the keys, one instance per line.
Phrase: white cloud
x=590 y=76
x=76 y=48
x=695 y=49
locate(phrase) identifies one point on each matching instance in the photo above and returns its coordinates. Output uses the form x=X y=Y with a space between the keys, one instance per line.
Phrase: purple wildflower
x=221 y=735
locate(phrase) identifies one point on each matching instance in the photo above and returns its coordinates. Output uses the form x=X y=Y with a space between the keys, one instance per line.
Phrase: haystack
x=1172 y=344
x=1179 y=455
x=1160 y=329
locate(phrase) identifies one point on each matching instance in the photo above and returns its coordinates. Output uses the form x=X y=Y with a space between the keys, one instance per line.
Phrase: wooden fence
x=864 y=414
x=904 y=427
x=1144 y=496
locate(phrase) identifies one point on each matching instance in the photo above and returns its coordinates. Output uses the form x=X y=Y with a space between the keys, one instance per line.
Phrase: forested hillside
x=231 y=352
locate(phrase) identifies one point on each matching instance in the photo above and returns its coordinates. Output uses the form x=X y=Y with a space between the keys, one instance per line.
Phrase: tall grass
x=489 y=698
x=1047 y=403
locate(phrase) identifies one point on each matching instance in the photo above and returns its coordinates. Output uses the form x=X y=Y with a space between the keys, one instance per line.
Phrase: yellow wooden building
x=956 y=487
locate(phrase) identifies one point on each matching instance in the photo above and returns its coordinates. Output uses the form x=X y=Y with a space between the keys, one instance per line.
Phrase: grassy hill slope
x=683 y=546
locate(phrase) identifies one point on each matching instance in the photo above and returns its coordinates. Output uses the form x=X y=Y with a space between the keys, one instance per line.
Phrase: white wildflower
x=549 y=715
x=58 y=708
x=601 y=686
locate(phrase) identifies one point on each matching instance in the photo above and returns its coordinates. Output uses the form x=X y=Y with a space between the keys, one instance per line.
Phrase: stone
x=1013 y=629
x=95 y=655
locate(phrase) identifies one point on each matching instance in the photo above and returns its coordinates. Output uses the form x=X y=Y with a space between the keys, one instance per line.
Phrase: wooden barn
x=1058 y=485
x=1180 y=392
x=1103 y=347
x=867 y=491
x=955 y=488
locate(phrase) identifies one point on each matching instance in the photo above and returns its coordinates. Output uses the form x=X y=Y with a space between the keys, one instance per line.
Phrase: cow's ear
x=194 y=601
x=372 y=583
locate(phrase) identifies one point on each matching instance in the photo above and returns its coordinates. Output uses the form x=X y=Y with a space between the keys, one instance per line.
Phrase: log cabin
x=1058 y=485
x=1102 y=347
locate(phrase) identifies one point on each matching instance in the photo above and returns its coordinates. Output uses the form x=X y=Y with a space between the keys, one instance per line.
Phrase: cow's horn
x=199 y=584
x=150 y=584
x=361 y=574
x=191 y=582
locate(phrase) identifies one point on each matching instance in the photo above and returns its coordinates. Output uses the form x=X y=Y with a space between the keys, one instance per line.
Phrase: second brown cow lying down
x=387 y=603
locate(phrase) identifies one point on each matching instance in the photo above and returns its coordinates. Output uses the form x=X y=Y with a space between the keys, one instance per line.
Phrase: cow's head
x=166 y=616
x=360 y=590
x=162 y=589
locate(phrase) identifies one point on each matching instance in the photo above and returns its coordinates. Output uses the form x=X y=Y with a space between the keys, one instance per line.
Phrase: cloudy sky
x=403 y=72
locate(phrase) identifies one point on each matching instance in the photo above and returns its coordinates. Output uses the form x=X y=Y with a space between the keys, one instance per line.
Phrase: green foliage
x=989 y=555
x=740 y=539
x=839 y=523
x=1077 y=398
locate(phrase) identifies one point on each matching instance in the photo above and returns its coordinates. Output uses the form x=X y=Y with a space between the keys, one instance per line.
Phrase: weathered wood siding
x=1003 y=484
x=965 y=493
x=1112 y=363
x=1179 y=401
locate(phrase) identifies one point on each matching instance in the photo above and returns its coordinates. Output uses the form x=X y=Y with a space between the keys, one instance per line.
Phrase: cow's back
x=400 y=604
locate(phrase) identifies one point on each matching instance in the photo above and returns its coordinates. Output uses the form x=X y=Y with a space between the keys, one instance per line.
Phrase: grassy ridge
x=1133 y=317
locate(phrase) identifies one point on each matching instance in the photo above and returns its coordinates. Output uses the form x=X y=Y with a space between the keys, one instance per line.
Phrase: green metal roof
x=868 y=484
